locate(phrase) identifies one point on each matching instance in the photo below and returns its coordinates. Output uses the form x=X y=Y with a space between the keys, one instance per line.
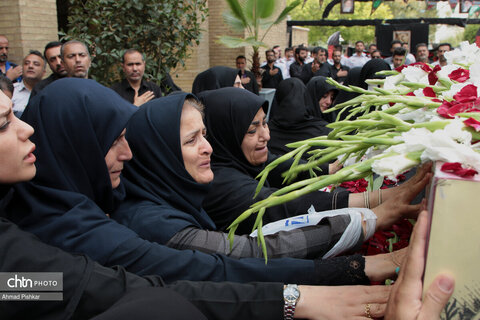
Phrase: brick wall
x=299 y=36
x=199 y=60
x=210 y=53
x=28 y=24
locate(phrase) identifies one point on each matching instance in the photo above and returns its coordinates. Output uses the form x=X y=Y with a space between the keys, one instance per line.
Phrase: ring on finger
x=367 y=311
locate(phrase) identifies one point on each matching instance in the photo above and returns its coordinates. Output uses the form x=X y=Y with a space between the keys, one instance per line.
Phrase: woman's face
x=326 y=101
x=196 y=150
x=119 y=153
x=254 y=144
x=17 y=162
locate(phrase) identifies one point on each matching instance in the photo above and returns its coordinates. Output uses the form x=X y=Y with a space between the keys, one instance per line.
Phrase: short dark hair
x=338 y=47
x=39 y=54
x=421 y=44
x=52 y=44
x=375 y=52
x=400 y=51
x=275 y=47
x=240 y=57
x=395 y=42
x=359 y=41
x=269 y=50
x=62 y=49
x=6 y=84
x=288 y=49
x=130 y=51
x=301 y=48
x=372 y=45
x=445 y=44
x=321 y=49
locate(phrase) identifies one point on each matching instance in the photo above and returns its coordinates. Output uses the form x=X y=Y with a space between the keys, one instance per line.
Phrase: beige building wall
x=211 y=53
x=299 y=36
x=28 y=25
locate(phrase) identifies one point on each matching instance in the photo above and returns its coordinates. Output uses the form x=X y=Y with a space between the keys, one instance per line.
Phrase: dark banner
x=409 y=33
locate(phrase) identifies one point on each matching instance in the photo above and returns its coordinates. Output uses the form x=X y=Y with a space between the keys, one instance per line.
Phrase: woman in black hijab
x=238 y=133
x=369 y=69
x=358 y=77
x=353 y=77
x=293 y=119
x=216 y=78
x=323 y=96
x=79 y=123
x=165 y=192
x=90 y=289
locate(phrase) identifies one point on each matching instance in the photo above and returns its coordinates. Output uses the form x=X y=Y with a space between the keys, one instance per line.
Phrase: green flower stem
x=432 y=126
x=474 y=115
x=338 y=85
x=375 y=82
x=387 y=73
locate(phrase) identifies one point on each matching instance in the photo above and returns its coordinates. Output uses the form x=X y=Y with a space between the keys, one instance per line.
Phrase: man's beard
x=3 y=57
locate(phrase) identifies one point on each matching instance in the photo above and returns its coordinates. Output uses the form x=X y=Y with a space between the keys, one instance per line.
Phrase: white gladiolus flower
x=391 y=82
x=448 y=95
x=446 y=70
x=391 y=167
x=419 y=115
x=415 y=74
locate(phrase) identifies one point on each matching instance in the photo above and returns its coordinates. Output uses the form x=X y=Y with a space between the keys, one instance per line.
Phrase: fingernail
x=445 y=284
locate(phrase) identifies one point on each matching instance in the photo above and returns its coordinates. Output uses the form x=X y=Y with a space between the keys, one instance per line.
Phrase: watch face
x=291 y=293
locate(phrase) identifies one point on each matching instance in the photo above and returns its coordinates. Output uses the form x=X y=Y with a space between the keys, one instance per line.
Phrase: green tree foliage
x=255 y=18
x=387 y=10
x=470 y=32
x=162 y=29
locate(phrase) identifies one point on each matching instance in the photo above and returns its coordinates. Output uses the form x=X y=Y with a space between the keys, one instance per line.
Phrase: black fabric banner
x=410 y=33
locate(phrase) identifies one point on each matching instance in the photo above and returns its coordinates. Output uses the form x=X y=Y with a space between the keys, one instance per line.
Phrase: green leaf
x=237 y=10
x=235 y=42
x=286 y=11
x=233 y=22
x=265 y=8
x=377 y=183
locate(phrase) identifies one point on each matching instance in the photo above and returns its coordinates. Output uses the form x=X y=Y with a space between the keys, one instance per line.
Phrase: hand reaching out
x=405 y=302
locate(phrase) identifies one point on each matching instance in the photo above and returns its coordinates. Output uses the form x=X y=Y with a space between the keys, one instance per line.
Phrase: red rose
x=470 y=122
x=432 y=76
x=457 y=169
x=460 y=75
x=467 y=93
x=428 y=92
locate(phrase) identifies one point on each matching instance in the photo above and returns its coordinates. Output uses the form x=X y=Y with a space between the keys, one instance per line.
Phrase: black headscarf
x=369 y=69
x=76 y=121
x=157 y=172
x=317 y=87
x=291 y=121
x=214 y=78
x=228 y=114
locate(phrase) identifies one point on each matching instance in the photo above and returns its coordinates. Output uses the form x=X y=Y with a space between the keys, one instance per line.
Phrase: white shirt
x=357 y=61
x=20 y=97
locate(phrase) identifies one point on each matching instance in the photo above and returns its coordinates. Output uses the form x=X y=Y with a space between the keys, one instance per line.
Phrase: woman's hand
x=398 y=204
x=343 y=302
x=405 y=302
x=334 y=167
x=382 y=266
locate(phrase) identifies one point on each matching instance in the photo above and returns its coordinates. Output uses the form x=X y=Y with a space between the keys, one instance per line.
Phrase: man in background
x=54 y=60
x=33 y=69
x=7 y=68
x=76 y=59
x=134 y=88
x=247 y=78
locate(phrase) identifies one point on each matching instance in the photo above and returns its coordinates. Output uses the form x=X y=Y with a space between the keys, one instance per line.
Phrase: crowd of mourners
x=129 y=192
